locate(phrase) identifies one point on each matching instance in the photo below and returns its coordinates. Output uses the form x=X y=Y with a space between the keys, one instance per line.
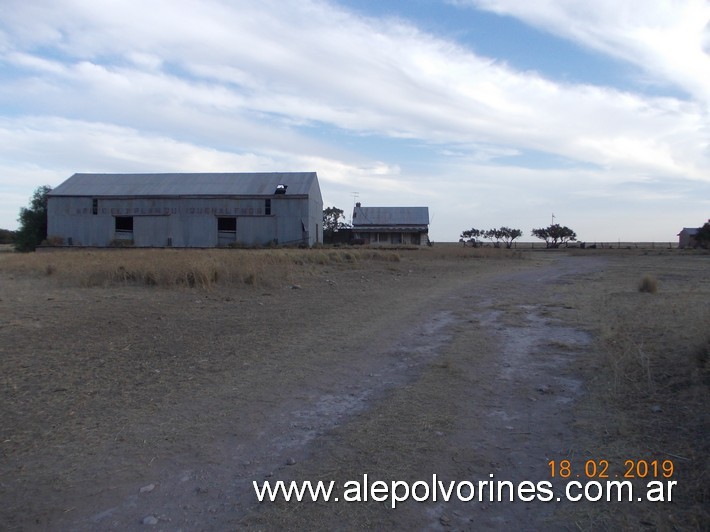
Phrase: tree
x=33 y=221
x=555 y=235
x=471 y=236
x=505 y=234
x=7 y=236
x=508 y=235
x=331 y=220
x=702 y=237
x=493 y=234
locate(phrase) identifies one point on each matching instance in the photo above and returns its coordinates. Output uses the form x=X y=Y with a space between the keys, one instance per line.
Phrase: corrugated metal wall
x=187 y=222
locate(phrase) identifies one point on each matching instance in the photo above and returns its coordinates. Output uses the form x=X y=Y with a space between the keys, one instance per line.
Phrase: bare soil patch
x=321 y=367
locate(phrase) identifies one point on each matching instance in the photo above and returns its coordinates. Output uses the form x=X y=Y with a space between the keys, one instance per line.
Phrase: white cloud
x=666 y=38
x=314 y=64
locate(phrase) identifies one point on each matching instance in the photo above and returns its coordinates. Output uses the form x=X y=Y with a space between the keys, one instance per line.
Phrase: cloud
x=30 y=146
x=668 y=39
x=307 y=64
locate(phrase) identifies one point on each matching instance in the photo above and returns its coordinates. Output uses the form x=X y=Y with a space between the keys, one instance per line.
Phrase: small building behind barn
x=187 y=209
x=690 y=237
x=391 y=225
x=686 y=238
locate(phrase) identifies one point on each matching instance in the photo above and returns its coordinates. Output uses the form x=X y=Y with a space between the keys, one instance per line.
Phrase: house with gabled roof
x=686 y=238
x=689 y=236
x=391 y=225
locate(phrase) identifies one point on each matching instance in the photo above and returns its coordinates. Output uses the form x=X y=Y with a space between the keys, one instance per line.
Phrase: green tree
x=7 y=236
x=702 y=237
x=508 y=235
x=505 y=234
x=494 y=235
x=331 y=220
x=555 y=235
x=33 y=221
x=471 y=236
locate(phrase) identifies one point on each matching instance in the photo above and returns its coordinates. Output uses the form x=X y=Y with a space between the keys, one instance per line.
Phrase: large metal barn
x=186 y=210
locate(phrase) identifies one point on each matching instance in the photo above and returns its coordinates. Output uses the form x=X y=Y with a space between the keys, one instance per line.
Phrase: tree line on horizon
x=505 y=235
x=554 y=236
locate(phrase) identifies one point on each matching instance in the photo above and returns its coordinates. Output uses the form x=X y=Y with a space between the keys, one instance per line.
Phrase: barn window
x=94 y=206
x=267 y=207
x=227 y=224
x=124 y=223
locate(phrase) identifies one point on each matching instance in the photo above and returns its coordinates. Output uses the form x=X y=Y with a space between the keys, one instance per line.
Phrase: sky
x=490 y=112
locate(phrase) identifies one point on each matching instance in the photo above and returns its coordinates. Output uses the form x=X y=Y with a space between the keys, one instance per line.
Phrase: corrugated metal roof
x=390 y=216
x=205 y=184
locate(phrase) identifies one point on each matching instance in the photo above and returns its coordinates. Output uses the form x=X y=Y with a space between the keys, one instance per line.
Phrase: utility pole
x=553 y=218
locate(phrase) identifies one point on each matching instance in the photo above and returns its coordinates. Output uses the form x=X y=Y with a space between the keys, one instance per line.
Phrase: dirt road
x=174 y=402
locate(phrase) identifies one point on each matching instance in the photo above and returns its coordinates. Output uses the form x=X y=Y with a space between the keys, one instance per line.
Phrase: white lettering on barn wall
x=165 y=211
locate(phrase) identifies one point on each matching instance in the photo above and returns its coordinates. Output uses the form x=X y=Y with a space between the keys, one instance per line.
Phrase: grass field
x=129 y=367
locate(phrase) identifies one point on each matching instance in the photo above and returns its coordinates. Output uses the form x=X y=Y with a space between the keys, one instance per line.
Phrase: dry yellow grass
x=648 y=284
x=651 y=383
x=191 y=268
x=458 y=251
x=206 y=268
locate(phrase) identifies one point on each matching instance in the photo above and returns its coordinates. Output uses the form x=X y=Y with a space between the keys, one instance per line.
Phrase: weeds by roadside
x=648 y=284
x=652 y=384
x=206 y=268
x=457 y=251
x=189 y=268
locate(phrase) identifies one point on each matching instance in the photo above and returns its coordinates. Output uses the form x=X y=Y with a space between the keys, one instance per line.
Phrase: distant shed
x=187 y=209
x=686 y=238
x=391 y=225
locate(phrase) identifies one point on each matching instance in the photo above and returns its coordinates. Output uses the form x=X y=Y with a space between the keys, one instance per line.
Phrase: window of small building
x=124 y=223
x=396 y=238
x=94 y=206
x=383 y=237
x=267 y=207
x=227 y=224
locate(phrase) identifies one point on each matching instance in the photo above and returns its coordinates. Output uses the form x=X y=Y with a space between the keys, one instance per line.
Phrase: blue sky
x=490 y=112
